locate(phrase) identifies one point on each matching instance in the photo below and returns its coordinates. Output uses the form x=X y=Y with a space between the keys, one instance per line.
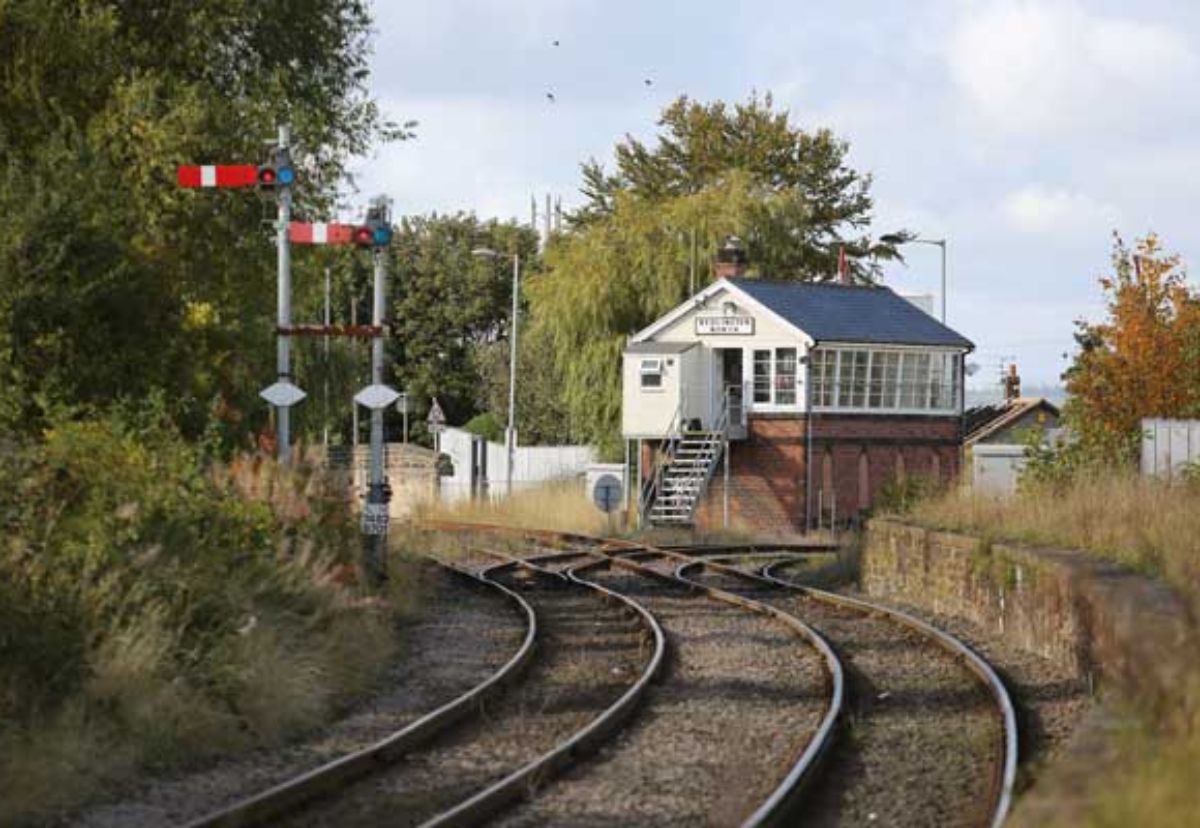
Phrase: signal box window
x=651 y=373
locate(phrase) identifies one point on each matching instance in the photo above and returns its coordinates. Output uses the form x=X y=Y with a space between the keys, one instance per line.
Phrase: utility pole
x=328 y=321
x=283 y=368
x=275 y=177
x=354 y=411
x=377 y=234
x=374 y=234
x=377 y=494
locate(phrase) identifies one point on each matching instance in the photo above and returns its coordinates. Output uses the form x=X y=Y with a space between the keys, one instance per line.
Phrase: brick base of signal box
x=854 y=457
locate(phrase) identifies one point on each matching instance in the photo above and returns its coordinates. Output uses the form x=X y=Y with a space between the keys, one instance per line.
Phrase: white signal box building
x=818 y=393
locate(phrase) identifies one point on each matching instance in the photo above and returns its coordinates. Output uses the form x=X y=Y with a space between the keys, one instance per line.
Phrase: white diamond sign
x=282 y=394
x=376 y=397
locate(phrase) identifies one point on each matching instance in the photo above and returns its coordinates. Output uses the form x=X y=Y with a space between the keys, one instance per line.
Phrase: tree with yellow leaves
x=1142 y=360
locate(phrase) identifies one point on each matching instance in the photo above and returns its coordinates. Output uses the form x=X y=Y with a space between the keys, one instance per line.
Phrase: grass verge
x=158 y=610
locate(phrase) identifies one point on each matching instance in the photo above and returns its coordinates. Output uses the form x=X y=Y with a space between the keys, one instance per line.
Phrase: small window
x=651 y=372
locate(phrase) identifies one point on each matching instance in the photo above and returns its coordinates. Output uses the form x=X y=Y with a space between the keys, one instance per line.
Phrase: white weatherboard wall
x=648 y=412
x=1169 y=445
x=695 y=378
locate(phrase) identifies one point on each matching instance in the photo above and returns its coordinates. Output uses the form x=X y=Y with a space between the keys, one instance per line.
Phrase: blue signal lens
x=383 y=235
x=286 y=176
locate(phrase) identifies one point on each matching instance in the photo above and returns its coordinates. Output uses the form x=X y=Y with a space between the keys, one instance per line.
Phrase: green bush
x=157 y=607
x=487 y=426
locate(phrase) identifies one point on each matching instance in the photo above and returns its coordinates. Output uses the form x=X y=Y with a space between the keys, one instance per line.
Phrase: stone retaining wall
x=1130 y=634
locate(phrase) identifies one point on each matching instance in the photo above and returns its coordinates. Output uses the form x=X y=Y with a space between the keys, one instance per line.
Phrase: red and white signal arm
x=217 y=175
x=300 y=232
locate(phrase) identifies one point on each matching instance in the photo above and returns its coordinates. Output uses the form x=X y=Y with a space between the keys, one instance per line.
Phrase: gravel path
x=460 y=636
x=740 y=700
x=921 y=743
x=589 y=652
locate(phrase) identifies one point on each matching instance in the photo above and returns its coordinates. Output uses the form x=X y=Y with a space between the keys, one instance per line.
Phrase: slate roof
x=851 y=313
x=982 y=421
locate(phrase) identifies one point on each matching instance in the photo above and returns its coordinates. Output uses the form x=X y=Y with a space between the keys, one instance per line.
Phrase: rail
x=1007 y=777
x=298 y=791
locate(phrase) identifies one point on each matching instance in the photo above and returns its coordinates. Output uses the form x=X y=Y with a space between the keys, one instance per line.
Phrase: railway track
x=737 y=727
x=500 y=740
x=932 y=735
x=728 y=737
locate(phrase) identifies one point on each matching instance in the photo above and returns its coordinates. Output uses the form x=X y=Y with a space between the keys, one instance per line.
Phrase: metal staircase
x=686 y=463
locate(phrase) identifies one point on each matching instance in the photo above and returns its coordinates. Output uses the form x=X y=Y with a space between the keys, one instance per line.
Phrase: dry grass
x=1143 y=523
x=1154 y=528
x=561 y=506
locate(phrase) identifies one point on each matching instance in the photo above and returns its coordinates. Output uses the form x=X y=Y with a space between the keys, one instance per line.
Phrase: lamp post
x=898 y=239
x=510 y=433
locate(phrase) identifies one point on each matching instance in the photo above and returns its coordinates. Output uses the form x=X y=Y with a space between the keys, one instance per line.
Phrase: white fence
x=1169 y=445
x=480 y=465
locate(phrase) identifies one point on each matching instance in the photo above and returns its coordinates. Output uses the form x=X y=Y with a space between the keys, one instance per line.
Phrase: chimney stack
x=1012 y=384
x=731 y=259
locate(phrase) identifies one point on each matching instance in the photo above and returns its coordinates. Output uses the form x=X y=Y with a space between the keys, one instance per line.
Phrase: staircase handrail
x=666 y=451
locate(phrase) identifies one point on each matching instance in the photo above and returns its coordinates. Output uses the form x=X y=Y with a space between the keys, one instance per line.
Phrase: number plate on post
x=375 y=519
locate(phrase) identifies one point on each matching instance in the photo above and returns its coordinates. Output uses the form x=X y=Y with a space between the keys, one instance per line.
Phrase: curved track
x=334 y=793
x=934 y=730
x=771 y=708
x=921 y=723
x=333 y=776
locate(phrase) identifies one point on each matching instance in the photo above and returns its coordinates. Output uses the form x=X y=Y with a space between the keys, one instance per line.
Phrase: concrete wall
x=1132 y=635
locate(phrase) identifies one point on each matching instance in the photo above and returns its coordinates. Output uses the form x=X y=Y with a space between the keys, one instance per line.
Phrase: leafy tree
x=812 y=202
x=449 y=303
x=542 y=414
x=645 y=237
x=102 y=258
x=1140 y=361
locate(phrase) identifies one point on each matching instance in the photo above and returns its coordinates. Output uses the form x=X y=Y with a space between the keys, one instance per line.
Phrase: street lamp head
x=484 y=253
x=895 y=238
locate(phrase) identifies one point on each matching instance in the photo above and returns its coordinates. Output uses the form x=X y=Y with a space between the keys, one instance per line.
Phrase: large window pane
x=762 y=376
x=858 y=390
x=937 y=381
x=824 y=364
x=785 y=376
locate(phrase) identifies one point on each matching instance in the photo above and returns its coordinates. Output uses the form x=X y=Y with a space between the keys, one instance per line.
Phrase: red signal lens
x=364 y=236
x=266 y=176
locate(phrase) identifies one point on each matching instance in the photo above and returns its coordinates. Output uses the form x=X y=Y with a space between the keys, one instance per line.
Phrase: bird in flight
x=555 y=43
x=648 y=82
x=550 y=97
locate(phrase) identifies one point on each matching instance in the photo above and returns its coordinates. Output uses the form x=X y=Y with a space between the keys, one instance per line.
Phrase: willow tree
x=648 y=231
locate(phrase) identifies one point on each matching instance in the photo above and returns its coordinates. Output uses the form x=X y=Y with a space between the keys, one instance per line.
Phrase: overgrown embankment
x=1150 y=775
x=157 y=610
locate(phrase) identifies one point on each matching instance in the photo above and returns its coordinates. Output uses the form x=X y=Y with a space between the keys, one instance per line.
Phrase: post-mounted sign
x=725 y=324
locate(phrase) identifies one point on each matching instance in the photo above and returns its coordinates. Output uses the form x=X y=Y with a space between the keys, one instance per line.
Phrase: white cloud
x=1064 y=213
x=1051 y=67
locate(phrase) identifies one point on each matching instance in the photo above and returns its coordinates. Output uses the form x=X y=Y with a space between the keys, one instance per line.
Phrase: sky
x=1023 y=133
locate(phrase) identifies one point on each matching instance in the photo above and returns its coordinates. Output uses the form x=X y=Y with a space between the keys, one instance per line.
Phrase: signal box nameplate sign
x=725 y=325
